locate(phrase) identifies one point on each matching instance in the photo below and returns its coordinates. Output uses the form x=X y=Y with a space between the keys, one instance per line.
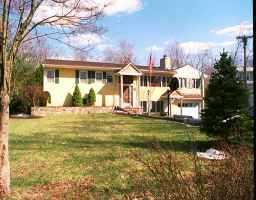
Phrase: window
x=198 y=81
x=164 y=82
x=156 y=81
x=91 y=76
x=109 y=78
x=83 y=76
x=193 y=83
x=144 y=81
x=50 y=76
x=240 y=75
x=144 y=106
x=184 y=83
x=188 y=105
x=249 y=76
x=99 y=76
x=157 y=106
x=141 y=81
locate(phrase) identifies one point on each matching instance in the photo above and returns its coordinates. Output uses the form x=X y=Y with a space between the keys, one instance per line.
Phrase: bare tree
x=80 y=55
x=123 y=53
x=202 y=61
x=177 y=55
x=35 y=51
x=26 y=20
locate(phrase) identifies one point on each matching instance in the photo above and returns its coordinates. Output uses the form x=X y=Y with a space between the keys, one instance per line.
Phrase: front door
x=126 y=94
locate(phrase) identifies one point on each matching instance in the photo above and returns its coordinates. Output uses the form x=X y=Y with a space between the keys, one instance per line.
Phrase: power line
x=244 y=40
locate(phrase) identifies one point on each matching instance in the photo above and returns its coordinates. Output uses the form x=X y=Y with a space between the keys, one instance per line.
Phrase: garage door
x=191 y=109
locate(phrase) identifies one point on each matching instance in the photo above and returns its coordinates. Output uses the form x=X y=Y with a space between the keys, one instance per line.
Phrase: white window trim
x=101 y=76
x=50 y=80
x=90 y=80
x=83 y=80
x=109 y=74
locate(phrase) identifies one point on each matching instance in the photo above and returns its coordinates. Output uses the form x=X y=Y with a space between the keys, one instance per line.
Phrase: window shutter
x=57 y=76
x=104 y=75
x=77 y=76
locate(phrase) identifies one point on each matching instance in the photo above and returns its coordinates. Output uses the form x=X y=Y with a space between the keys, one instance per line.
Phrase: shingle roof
x=186 y=96
x=87 y=64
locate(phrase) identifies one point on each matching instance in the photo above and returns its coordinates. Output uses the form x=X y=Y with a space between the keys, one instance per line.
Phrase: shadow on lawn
x=88 y=134
x=27 y=143
x=108 y=127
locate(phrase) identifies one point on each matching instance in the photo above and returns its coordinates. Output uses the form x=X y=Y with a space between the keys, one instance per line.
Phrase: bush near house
x=30 y=95
x=27 y=91
x=91 y=97
x=35 y=95
x=19 y=104
x=85 y=100
x=47 y=97
x=77 y=98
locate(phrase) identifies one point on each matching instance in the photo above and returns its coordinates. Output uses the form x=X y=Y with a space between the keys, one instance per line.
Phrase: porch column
x=121 y=91
x=199 y=109
x=138 y=92
x=170 y=114
x=181 y=105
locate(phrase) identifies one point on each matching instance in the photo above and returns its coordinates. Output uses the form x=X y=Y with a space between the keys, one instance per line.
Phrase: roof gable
x=130 y=69
x=176 y=95
x=187 y=71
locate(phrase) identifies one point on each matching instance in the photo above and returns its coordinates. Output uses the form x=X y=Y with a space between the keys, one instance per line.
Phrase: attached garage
x=190 y=109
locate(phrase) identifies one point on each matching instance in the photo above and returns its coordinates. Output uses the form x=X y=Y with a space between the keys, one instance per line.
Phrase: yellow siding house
x=123 y=85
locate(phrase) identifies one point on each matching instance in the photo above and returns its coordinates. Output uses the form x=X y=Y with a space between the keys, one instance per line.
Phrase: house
x=125 y=85
x=249 y=81
x=191 y=92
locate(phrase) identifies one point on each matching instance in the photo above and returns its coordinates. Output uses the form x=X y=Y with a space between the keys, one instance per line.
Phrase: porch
x=129 y=86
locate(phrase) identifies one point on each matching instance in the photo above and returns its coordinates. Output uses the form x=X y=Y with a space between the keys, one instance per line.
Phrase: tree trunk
x=4 y=155
x=5 y=67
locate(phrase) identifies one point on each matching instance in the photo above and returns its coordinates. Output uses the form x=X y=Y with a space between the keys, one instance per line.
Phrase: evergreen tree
x=77 y=98
x=226 y=100
x=91 y=97
x=37 y=78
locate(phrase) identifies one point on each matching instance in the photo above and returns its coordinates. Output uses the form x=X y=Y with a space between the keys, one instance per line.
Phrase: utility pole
x=244 y=39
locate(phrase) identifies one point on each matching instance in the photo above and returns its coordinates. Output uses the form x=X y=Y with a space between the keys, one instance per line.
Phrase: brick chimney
x=166 y=63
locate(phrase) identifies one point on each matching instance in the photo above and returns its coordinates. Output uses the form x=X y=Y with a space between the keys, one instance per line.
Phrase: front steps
x=128 y=110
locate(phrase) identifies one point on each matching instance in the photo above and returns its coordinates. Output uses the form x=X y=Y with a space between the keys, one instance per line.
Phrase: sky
x=150 y=25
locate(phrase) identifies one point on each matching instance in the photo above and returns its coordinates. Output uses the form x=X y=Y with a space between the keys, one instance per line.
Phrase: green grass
x=70 y=147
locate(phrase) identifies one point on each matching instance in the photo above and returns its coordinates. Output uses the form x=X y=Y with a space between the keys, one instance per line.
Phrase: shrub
x=45 y=98
x=19 y=104
x=85 y=100
x=91 y=97
x=35 y=95
x=32 y=95
x=167 y=177
x=77 y=98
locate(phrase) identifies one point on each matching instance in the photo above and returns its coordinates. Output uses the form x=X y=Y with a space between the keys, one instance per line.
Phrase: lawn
x=94 y=146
